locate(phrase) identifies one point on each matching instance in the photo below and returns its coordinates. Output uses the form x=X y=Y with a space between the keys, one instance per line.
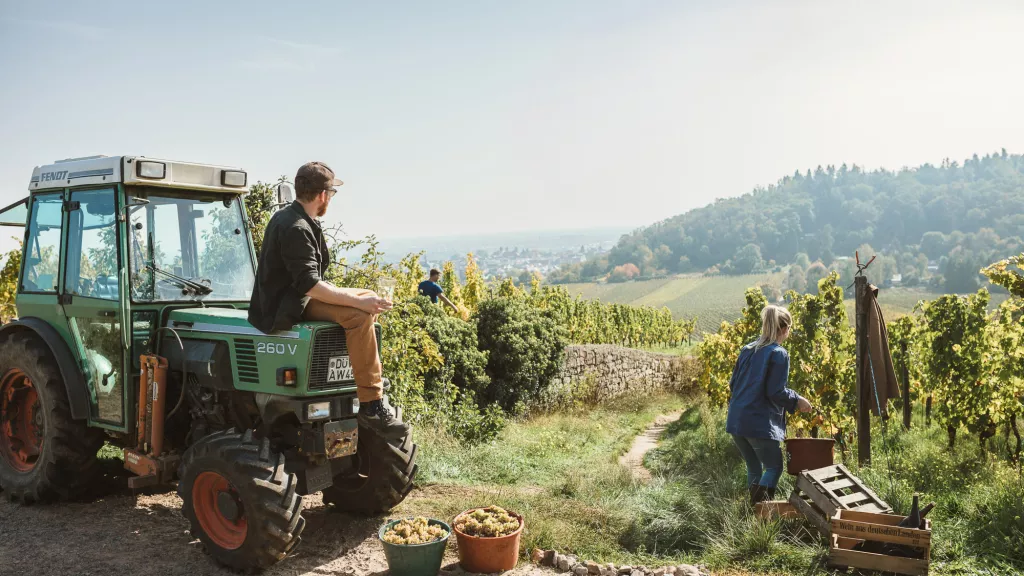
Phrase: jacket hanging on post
x=884 y=383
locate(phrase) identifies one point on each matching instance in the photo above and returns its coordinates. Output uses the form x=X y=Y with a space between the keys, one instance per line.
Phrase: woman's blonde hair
x=774 y=319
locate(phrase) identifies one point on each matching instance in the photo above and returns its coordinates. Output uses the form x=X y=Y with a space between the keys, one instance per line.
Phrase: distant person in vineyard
x=760 y=398
x=431 y=289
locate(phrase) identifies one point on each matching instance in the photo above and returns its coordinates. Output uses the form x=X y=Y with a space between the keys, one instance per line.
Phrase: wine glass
x=386 y=288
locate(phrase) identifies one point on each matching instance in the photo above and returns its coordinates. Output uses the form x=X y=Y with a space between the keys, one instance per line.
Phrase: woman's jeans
x=760 y=453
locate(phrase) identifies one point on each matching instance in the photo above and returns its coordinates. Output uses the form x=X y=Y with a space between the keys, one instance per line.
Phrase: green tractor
x=135 y=278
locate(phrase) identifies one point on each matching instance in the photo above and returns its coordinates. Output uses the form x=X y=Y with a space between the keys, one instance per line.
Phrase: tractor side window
x=92 y=246
x=42 y=255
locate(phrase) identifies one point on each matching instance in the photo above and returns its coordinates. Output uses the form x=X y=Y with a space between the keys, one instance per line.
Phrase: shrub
x=464 y=363
x=525 y=349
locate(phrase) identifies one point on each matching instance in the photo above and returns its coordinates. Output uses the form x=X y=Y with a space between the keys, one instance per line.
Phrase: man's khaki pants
x=362 y=344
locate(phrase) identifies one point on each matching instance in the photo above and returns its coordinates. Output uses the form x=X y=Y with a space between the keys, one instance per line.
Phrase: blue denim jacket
x=760 y=397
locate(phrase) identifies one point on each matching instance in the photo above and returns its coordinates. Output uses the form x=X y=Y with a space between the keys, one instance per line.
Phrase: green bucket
x=414 y=559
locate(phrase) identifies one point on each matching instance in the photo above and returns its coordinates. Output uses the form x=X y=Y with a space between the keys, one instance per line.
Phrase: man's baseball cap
x=313 y=177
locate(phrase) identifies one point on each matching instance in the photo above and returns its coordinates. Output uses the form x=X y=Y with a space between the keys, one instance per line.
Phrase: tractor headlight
x=235 y=178
x=318 y=411
x=355 y=405
x=150 y=169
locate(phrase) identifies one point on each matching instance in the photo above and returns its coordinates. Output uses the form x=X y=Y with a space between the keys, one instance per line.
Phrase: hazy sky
x=467 y=117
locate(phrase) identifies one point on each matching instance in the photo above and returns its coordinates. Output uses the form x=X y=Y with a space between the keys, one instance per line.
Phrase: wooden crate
x=809 y=510
x=834 y=488
x=850 y=528
x=772 y=508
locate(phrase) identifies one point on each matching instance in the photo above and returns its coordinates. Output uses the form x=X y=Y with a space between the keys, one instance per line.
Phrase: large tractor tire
x=45 y=455
x=385 y=475
x=239 y=500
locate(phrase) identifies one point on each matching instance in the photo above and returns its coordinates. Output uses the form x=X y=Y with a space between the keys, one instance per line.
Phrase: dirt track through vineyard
x=644 y=443
x=116 y=533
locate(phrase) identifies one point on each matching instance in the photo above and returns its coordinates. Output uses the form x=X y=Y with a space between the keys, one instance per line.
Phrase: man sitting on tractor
x=290 y=287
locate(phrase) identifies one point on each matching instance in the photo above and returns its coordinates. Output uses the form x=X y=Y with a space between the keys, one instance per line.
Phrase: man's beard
x=321 y=210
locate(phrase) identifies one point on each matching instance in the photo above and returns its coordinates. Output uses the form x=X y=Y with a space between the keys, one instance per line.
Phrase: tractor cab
x=132 y=330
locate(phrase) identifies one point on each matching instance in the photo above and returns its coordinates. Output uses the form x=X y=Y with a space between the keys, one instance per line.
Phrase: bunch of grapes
x=414 y=531
x=489 y=522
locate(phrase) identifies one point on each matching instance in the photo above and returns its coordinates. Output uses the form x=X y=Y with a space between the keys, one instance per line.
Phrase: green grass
x=561 y=472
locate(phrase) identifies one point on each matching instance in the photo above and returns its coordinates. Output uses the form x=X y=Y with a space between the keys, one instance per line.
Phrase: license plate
x=339 y=369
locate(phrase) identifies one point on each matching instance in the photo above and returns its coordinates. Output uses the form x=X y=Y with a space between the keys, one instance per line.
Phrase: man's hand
x=373 y=304
x=803 y=405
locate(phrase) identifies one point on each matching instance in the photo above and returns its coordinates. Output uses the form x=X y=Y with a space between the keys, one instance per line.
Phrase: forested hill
x=953 y=212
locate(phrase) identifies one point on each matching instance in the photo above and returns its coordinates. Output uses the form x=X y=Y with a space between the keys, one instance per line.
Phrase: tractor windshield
x=186 y=247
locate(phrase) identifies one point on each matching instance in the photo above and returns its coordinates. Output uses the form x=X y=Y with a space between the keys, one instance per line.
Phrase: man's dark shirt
x=293 y=259
x=431 y=290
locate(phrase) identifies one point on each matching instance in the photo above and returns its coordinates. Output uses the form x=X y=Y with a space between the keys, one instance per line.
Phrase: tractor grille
x=245 y=356
x=326 y=343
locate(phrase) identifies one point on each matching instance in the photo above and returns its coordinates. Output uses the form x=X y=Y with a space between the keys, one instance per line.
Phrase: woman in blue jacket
x=759 y=400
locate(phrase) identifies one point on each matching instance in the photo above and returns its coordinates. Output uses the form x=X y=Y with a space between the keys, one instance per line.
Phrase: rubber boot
x=769 y=493
x=758 y=494
x=753 y=489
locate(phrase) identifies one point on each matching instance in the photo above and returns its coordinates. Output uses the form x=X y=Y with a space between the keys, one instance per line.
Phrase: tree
x=623 y=273
x=961 y=272
x=524 y=347
x=815 y=273
x=450 y=284
x=476 y=288
x=796 y=280
x=747 y=259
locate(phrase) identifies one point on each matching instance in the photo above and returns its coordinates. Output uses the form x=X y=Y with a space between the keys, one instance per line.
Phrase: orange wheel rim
x=21 y=421
x=219 y=510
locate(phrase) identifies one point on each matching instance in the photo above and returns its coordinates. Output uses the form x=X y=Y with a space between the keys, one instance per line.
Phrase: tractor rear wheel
x=239 y=500
x=384 y=478
x=45 y=455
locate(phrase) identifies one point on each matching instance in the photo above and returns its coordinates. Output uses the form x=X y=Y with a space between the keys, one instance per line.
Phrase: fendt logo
x=48 y=176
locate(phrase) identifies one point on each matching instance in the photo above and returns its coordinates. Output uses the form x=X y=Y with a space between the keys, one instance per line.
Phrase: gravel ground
x=115 y=532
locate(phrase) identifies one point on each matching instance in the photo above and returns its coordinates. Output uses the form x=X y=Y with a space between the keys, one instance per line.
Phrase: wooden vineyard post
x=863 y=383
x=906 y=386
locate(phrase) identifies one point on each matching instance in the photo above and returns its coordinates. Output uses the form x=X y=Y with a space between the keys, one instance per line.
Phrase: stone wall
x=596 y=373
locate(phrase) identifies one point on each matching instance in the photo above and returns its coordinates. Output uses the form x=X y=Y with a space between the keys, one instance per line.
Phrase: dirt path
x=117 y=533
x=644 y=443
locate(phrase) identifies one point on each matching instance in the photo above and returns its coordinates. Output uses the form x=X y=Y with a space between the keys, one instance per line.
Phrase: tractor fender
x=74 y=380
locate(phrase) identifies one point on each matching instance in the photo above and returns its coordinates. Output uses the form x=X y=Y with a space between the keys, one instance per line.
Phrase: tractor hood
x=233 y=321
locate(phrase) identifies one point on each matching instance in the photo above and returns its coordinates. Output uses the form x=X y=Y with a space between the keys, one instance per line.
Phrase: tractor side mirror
x=285 y=193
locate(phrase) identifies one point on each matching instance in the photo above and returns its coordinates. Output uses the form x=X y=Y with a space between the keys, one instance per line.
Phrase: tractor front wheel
x=384 y=475
x=239 y=500
x=44 y=453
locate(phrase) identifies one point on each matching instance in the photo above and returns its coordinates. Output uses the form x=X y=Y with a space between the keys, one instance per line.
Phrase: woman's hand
x=803 y=405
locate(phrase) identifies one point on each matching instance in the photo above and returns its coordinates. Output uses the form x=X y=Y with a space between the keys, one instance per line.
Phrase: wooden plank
x=857 y=525
x=822 y=473
x=881 y=503
x=880 y=562
x=871 y=508
x=814 y=492
x=813 y=515
x=839 y=484
x=845 y=543
x=851 y=499
x=876 y=518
